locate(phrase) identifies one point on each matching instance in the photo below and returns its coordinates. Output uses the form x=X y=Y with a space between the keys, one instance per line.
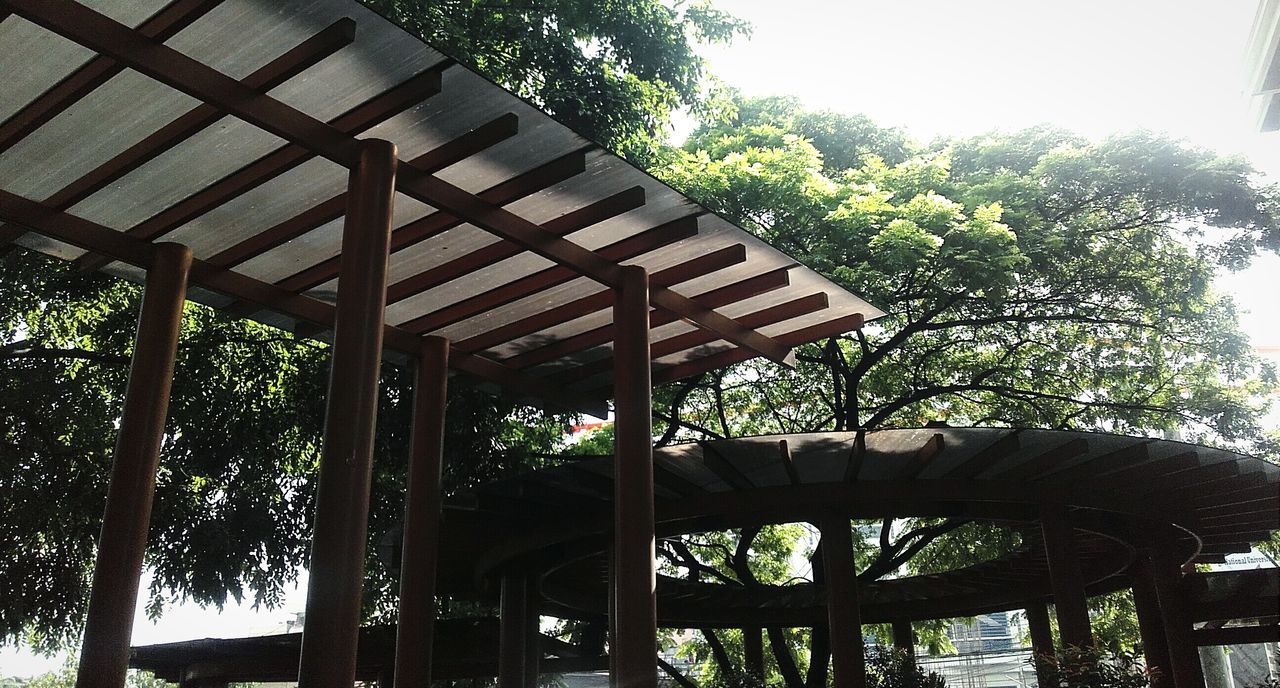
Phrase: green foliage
x=891 y=668
x=1093 y=668
x=613 y=71
x=65 y=677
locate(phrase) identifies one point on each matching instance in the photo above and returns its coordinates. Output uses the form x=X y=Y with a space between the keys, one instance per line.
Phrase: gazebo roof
x=509 y=225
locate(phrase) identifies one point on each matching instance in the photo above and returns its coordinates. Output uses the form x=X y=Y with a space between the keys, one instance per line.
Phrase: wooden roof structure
x=232 y=131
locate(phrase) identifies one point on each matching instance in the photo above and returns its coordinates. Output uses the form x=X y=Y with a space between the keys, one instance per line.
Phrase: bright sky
x=939 y=67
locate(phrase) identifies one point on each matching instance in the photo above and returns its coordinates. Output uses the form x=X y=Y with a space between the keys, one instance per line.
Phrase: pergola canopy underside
x=137 y=156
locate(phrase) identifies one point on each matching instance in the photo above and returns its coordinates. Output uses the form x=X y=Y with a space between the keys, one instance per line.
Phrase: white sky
x=939 y=67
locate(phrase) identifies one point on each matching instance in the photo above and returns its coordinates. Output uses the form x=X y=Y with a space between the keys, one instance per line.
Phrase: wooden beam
x=624 y=249
x=115 y=245
x=162 y=26
x=1065 y=576
x=288 y=65
x=921 y=458
x=372 y=112
x=104 y=654
x=723 y=468
x=1237 y=635
x=721 y=359
x=486 y=256
x=334 y=588
x=690 y=269
x=857 y=455
x=1006 y=445
x=1044 y=462
x=788 y=462
x=697 y=337
x=166 y=65
x=331 y=209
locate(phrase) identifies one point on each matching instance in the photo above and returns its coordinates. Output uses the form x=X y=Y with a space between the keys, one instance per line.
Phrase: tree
x=233 y=504
x=1031 y=279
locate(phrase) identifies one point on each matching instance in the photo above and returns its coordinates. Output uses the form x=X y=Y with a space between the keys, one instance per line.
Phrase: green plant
x=893 y=668
x=1093 y=668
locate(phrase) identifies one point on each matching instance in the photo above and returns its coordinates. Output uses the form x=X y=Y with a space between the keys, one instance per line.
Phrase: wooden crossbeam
x=498 y=251
x=115 y=245
x=168 y=66
x=1006 y=445
x=724 y=468
x=331 y=209
x=857 y=456
x=713 y=298
x=288 y=65
x=921 y=458
x=693 y=338
x=624 y=249
x=682 y=272
x=1046 y=461
x=788 y=462
x=162 y=26
x=721 y=359
x=377 y=109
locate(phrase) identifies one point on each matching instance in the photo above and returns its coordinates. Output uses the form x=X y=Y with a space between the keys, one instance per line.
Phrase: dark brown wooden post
x=532 y=633
x=904 y=638
x=1184 y=655
x=419 y=551
x=104 y=654
x=1041 y=631
x=844 y=618
x=1155 y=647
x=513 y=632
x=342 y=495
x=1064 y=576
x=635 y=646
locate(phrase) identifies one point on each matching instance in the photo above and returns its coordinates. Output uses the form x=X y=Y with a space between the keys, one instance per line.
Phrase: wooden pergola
x=1095 y=513
x=247 y=154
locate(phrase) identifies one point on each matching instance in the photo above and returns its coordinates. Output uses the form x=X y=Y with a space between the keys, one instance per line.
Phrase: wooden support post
x=844 y=618
x=904 y=638
x=1064 y=576
x=104 y=654
x=1041 y=631
x=1184 y=656
x=1155 y=647
x=635 y=646
x=513 y=633
x=532 y=633
x=419 y=553
x=342 y=496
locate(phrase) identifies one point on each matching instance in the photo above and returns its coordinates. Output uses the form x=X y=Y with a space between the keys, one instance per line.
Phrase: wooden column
x=1065 y=578
x=419 y=551
x=1041 y=631
x=1155 y=647
x=104 y=653
x=1184 y=656
x=342 y=496
x=635 y=647
x=532 y=633
x=904 y=638
x=844 y=618
x=513 y=633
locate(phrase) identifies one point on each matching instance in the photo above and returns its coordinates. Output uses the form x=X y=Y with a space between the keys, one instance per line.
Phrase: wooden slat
x=1237 y=635
x=331 y=209
x=921 y=458
x=1121 y=458
x=691 y=269
x=483 y=257
x=436 y=223
x=724 y=468
x=1182 y=479
x=115 y=245
x=168 y=66
x=788 y=462
x=713 y=298
x=374 y=111
x=1007 y=445
x=693 y=338
x=1158 y=467
x=276 y=72
x=161 y=26
x=625 y=249
x=721 y=359
x=1044 y=461
x=857 y=455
